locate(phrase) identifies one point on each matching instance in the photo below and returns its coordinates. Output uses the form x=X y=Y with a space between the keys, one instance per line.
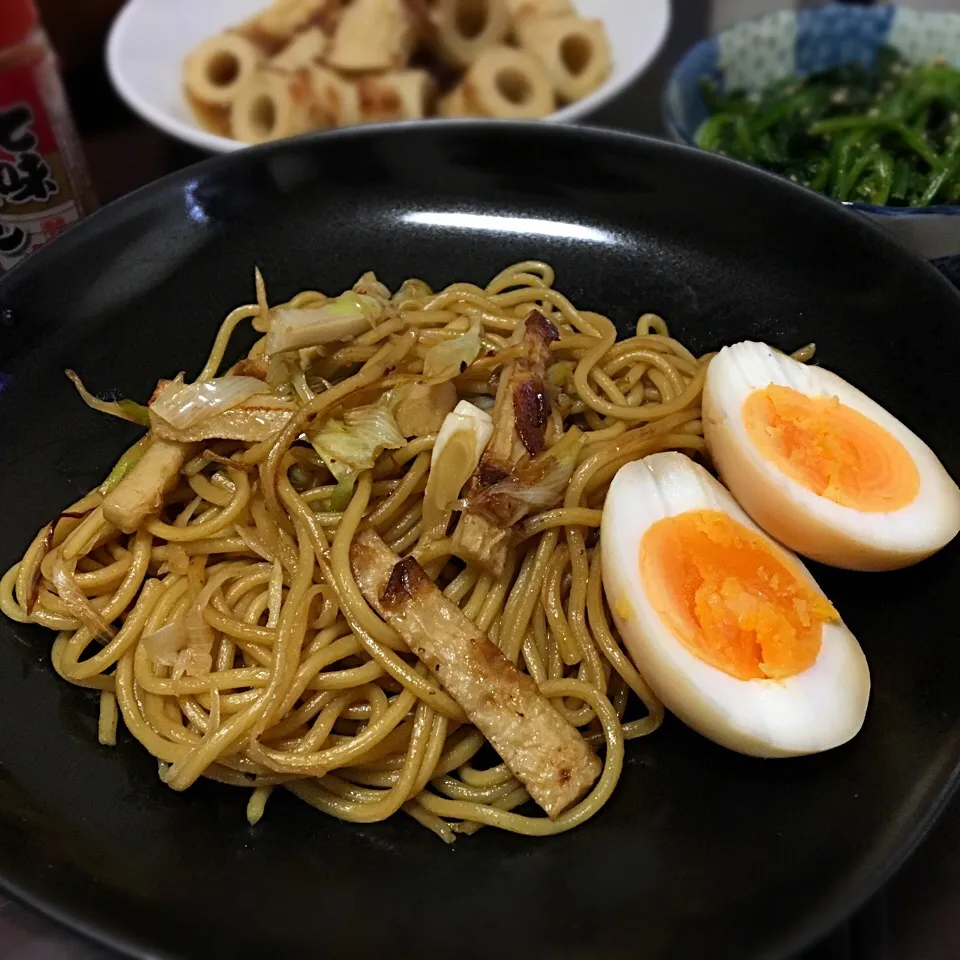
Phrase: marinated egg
x=821 y=466
x=729 y=629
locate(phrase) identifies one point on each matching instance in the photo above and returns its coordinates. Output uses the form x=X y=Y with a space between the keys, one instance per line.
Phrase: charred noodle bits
x=345 y=564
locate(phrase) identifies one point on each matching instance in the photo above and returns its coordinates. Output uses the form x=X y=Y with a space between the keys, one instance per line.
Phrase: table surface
x=915 y=917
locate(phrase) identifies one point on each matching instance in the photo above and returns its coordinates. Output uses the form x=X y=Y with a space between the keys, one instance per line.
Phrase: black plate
x=701 y=853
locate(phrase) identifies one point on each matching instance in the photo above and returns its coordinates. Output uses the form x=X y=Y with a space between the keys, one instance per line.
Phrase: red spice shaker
x=43 y=180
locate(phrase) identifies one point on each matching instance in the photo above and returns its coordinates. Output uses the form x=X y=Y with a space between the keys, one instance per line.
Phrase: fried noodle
x=284 y=676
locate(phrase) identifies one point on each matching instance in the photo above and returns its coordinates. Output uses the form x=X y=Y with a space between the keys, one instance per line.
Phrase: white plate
x=150 y=38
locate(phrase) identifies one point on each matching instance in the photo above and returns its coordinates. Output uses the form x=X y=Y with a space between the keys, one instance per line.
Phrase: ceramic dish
x=150 y=38
x=753 y=54
x=701 y=852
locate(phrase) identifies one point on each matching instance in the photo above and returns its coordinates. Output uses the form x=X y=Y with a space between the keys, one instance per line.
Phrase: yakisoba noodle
x=306 y=688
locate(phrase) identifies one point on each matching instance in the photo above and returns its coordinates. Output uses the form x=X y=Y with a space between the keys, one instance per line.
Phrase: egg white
x=817 y=709
x=801 y=519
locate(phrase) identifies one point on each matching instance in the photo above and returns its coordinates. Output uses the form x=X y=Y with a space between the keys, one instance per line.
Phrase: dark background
x=915 y=917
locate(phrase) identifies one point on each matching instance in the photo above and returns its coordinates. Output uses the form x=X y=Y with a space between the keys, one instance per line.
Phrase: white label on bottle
x=22 y=234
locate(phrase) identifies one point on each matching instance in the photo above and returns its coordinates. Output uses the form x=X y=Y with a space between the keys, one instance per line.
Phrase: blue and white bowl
x=754 y=54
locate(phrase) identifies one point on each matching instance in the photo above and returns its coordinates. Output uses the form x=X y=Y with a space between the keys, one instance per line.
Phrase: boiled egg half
x=820 y=466
x=728 y=628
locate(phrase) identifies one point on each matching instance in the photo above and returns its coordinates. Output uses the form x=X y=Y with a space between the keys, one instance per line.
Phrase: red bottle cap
x=17 y=21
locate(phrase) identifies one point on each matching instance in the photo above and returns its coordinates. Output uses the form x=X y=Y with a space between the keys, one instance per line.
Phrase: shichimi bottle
x=43 y=180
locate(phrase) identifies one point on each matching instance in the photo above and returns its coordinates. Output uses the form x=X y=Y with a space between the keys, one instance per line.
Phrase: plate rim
x=858 y=888
x=316 y=140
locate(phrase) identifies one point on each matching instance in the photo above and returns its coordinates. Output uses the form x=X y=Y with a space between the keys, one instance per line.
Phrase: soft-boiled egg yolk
x=729 y=629
x=821 y=466
x=831 y=449
x=727 y=596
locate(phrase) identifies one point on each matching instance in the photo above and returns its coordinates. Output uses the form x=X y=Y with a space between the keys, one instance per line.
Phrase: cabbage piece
x=183 y=646
x=186 y=405
x=412 y=289
x=447 y=359
x=163 y=645
x=76 y=603
x=343 y=318
x=352 y=445
x=257 y=418
x=124 y=409
x=370 y=286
